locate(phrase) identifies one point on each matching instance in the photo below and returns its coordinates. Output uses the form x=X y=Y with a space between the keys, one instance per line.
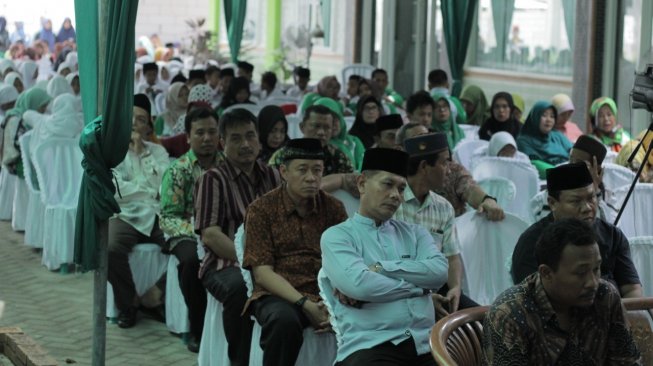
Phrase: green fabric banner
x=457 y=18
x=325 y=6
x=569 y=10
x=105 y=139
x=234 y=15
x=502 y=11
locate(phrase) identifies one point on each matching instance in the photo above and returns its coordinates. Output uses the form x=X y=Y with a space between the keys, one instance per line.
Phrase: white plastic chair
x=616 y=176
x=471 y=132
x=521 y=173
x=539 y=206
x=159 y=104
x=486 y=246
x=58 y=168
x=254 y=108
x=641 y=251
x=35 y=207
x=280 y=100
x=214 y=350
x=464 y=151
x=349 y=121
x=293 y=126
x=7 y=192
x=500 y=188
x=19 y=209
x=351 y=203
x=610 y=157
x=355 y=69
x=636 y=218
x=147 y=264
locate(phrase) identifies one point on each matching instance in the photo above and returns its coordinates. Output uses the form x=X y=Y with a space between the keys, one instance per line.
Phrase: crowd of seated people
x=200 y=165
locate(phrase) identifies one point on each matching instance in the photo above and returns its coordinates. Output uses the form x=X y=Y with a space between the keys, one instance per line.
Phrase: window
x=531 y=36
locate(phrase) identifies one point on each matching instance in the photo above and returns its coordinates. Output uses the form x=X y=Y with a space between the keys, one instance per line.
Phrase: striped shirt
x=436 y=215
x=221 y=197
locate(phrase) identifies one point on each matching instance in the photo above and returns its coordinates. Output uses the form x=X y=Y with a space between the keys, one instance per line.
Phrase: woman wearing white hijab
x=8 y=96
x=29 y=70
x=176 y=104
x=65 y=121
x=502 y=144
x=6 y=66
x=58 y=85
x=15 y=80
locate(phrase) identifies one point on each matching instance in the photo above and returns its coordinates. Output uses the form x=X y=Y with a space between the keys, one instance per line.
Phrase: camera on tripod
x=642 y=92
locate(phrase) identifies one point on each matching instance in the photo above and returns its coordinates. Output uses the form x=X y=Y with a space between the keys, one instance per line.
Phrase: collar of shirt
x=542 y=300
x=409 y=196
x=289 y=206
x=233 y=172
x=368 y=222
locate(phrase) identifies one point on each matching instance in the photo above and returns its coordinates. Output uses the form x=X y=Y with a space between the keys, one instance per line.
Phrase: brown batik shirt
x=521 y=328
x=277 y=236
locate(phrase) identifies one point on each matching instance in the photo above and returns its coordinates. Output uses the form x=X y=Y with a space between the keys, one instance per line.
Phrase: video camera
x=642 y=92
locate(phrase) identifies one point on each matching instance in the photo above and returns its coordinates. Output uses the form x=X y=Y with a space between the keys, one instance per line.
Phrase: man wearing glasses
x=572 y=195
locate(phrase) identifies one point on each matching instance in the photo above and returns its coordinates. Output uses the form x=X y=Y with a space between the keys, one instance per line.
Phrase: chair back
x=457 y=339
x=641 y=252
x=239 y=244
x=159 y=104
x=640 y=317
x=502 y=189
x=58 y=165
x=254 y=108
x=636 y=218
x=540 y=206
x=616 y=176
x=486 y=247
x=351 y=203
x=279 y=101
x=349 y=121
x=464 y=151
x=610 y=157
x=520 y=172
x=293 y=126
x=355 y=69
x=471 y=131
x=25 y=142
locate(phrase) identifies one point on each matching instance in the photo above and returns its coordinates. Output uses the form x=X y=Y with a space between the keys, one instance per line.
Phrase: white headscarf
x=8 y=94
x=71 y=60
x=65 y=121
x=498 y=141
x=58 y=85
x=64 y=65
x=173 y=110
x=11 y=78
x=27 y=70
x=6 y=64
x=42 y=84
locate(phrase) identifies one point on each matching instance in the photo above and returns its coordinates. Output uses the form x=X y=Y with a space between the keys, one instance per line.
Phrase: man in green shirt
x=390 y=96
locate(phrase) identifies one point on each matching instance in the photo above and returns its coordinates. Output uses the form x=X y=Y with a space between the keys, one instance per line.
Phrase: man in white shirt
x=301 y=77
x=270 y=87
x=151 y=86
x=138 y=179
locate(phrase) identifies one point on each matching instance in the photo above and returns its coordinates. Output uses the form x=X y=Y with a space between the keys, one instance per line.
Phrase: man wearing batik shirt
x=282 y=248
x=564 y=314
x=427 y=171
x=177 y=187
x=221 y=196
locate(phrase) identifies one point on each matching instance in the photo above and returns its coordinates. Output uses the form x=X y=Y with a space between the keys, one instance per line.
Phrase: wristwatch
x=300 y=303
x=488 y=196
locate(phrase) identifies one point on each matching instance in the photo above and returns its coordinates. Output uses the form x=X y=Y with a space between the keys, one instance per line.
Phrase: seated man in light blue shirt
x=378 y=273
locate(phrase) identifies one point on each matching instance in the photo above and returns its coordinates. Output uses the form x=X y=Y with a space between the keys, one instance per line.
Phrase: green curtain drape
x=457 y=17
x=234 y=15
x=325 y=7
x=105 y=139
x=569 y=10
x=502 y=11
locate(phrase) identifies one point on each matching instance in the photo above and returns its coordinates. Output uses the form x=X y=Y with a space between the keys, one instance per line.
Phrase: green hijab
x=309 y=100
x=618 y=136
x=30 y=100
x=449 y=127
x=475 y=95
x=350 y=145
x=518 y=101
x=552 y=148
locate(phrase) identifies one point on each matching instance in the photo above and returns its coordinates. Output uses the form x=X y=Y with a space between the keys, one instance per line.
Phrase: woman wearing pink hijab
x=565 y=108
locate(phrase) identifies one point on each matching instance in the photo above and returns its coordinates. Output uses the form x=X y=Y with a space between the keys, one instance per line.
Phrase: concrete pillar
x=582 y=61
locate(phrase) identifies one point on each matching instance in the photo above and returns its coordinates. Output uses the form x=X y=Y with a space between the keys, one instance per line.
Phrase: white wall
x=167 y=18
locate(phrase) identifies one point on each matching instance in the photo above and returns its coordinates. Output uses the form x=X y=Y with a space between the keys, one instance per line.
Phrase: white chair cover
x=349 y=121
x=176 y=309
x=250 y=107
x=636 y=218
x=616 y=176
x=293 y=126
x=486 y=246
x=19 y=210
x=355 y=69
x=159 y=104
x=351 y=203
x=500 y=188
x=539 y=206
x=641 y=251
x=464 y=151
x=7 y=192
x=35 y=207
x=317 y=349
x=58 y=168
x=279 y=100
x=239 y=243
x=147 y=264
x=213 y=346
x=610 y=157
x=521 y=173
x=471 y=132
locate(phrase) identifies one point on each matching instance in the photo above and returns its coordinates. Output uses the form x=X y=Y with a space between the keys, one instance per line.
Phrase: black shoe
x=157 y=313
x=193 y=345
x=127 y=318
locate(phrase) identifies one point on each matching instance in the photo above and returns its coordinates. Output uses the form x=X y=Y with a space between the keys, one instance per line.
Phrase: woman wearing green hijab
x=14 y=126
x=475 y=104
x=350 y=145
x=544 y=145
x=444 y=120
x=603 y=112
x=520 y=107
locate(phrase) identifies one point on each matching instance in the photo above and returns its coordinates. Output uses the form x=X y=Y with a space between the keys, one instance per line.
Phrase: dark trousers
x=464 y=302
x=388 y=354
x=122 y=239
x=191 y=286
x=228 y=287
x=282 y=330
